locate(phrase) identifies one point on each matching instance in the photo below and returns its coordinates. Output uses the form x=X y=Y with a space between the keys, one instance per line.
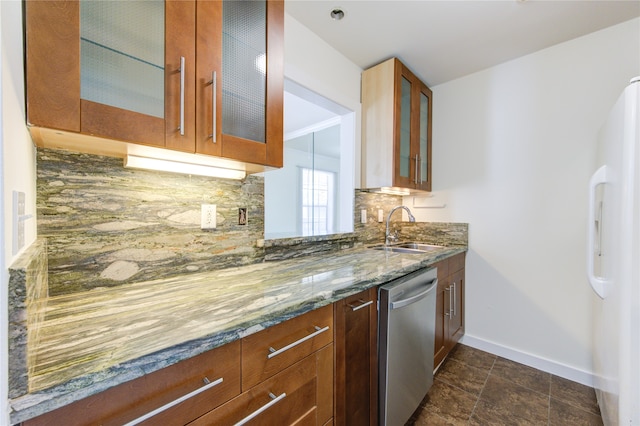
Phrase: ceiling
x=444 y=40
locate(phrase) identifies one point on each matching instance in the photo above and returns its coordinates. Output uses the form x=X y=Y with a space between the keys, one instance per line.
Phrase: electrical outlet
x=380 y=215
x=363 y=216
x=242 y=216
x=208 y=216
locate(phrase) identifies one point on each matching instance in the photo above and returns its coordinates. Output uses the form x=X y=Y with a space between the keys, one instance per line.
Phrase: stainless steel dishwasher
x=407 y=321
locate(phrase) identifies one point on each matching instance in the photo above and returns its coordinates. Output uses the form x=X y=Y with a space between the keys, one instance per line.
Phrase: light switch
x=380 y=215
x=18 y=221
x=363 y=216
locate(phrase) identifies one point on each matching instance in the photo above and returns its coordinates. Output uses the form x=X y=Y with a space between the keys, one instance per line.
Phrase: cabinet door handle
x=214 y=90
x=274 y=400
x=420 y=169
x=182 y=73
x=274 y=352
x=450 y=302
x=455 y=304
x=208 y=385
x=416 y=170
x=362 y=304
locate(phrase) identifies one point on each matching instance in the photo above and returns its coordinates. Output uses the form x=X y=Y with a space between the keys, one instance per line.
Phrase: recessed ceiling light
x=337 y=14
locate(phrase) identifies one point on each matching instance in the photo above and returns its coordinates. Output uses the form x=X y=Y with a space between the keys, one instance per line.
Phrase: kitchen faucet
x=388 y=237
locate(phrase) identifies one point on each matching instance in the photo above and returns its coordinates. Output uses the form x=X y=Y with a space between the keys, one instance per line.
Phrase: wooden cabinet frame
x=381 y=128
x=53 y=83
x=356 y=343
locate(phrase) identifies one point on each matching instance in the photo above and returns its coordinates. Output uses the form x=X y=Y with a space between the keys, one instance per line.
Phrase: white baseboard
x=553 y=367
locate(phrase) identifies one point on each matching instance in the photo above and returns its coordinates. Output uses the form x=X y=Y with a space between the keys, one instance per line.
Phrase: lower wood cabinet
x=320 y=368
x=279 y=376
x=449 y=306
x=356 y=345
x=301 y=394
x=132 y=400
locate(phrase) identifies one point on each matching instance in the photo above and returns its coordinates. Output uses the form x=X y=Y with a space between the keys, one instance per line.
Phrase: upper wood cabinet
x=396 y=128
x=194 y=76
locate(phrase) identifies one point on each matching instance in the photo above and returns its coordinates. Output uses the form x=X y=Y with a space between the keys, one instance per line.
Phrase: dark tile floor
x=473 y=387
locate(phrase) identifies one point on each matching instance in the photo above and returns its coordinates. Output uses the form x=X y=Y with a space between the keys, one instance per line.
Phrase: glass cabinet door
x=424 y=172
x=122 y=54
x=252 y=81
x=403 y=167
x=137 y=61
x=244 y=69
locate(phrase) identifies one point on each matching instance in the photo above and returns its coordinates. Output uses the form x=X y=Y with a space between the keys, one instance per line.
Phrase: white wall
x=312 y=63
x=17 y=164
x=513 y=149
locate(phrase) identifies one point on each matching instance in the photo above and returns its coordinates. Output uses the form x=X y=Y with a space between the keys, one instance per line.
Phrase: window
x=317 y=202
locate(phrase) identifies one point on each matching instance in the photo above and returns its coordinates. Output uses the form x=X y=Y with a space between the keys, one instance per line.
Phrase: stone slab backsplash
x=27 y=306
x=106 y=225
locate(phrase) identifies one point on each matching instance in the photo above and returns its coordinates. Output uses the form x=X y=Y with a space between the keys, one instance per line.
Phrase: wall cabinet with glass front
x=203 y=76
x=396 y=128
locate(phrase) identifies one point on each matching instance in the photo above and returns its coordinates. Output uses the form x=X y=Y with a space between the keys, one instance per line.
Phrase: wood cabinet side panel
x=378 y=124
x=53 y=64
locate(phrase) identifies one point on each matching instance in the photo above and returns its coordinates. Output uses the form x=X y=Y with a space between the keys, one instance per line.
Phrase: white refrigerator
x=613 y=261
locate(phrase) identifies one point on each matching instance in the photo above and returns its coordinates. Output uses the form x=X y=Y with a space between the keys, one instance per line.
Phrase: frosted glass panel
x=244 y=48
x=424 y=127
x=122 y=54
x=405 y=128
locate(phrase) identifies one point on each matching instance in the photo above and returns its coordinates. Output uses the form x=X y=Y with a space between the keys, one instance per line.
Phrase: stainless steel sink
x=411 y=247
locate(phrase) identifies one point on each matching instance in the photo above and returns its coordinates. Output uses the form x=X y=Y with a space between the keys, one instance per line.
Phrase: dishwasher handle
x=413 y=299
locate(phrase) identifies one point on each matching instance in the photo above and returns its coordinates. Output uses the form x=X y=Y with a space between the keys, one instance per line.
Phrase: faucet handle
x=393 y=237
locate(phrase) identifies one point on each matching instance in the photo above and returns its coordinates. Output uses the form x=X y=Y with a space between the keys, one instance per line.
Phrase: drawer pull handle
x=297 y=342
x=159 y=410
x=274 y=400
x=362 y=304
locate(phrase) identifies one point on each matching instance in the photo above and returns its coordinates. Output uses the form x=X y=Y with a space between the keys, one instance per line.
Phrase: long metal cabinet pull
x=420 y=169
x=409 y=300
x=182 y=73
x=214 y=106
x=362 y=304
x=449 y=313
x=274 y=352
x=416 y=170
x=455 y=304
x=274 y=400
x=159 y=410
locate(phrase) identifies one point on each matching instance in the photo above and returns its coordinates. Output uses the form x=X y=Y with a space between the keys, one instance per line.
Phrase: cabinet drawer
x=138 y=397
x=270 y=351
x=282 y=400
x=443 y=269
x=456 y=263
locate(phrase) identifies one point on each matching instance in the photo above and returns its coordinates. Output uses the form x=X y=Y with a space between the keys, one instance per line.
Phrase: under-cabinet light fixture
x=148 y=163
x=393 y=190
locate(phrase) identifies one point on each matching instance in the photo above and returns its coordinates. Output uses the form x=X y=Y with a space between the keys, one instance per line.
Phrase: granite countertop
x=91 y=341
